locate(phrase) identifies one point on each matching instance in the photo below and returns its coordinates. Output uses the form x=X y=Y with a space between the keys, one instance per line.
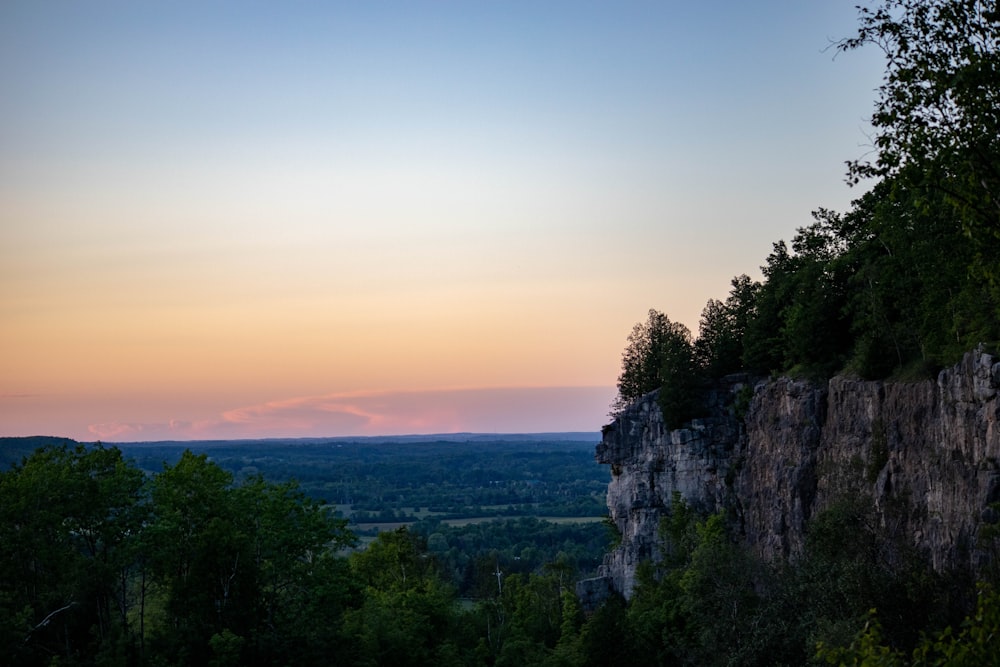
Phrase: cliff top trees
x=723 y=326
x=659 y=355
x=642 y=358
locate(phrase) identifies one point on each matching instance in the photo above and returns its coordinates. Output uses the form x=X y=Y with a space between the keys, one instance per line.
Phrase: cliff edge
x=776 y=452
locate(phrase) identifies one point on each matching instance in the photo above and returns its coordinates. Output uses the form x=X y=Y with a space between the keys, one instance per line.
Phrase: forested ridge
x=105 y=563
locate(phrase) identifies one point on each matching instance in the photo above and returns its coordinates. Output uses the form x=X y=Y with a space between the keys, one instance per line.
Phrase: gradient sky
x=258 y=219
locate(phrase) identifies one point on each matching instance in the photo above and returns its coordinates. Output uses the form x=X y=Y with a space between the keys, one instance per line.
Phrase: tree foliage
x=936 y=117
x=976 y=643
x=104 y=564
x=719 y=347
x=892 y=287
x=69 y=520
x=642 y=360
x=660 y=356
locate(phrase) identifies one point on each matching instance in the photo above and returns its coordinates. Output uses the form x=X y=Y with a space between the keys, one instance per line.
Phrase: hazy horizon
x=462 y=437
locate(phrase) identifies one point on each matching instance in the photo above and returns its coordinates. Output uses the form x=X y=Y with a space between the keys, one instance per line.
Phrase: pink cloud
x=506 y=410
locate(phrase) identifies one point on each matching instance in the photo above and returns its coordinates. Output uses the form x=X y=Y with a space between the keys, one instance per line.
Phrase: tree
x=69 y=518
x=200 y=556
x=914 y=298
x=641 y=360
x=938 y=108
x=719 y=599
x=763 y=345
x=977 y=643
x=798 y=322
x=301 y=587
x=408 y=613
x=719 y=348
x=660 y=355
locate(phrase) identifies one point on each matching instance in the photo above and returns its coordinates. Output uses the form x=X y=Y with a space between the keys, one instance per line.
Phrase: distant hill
x=13 y=450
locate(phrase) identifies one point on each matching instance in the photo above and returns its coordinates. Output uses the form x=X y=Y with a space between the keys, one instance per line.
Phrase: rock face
x=777 y=452
x=649 y=462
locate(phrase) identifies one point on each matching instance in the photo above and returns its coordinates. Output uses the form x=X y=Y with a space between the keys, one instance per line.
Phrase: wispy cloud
x=505 y=410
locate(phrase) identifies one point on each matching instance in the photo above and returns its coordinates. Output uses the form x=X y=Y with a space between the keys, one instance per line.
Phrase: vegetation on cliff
x=906 y=280
x=895 y=287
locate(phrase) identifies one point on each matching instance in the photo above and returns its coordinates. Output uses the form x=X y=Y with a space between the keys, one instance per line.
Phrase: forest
x=385 y=480
x=105 y=564
x=108 y=564
x=182 y=561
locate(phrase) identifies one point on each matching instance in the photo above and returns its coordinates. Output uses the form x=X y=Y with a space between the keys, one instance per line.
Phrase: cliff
x=776 y=452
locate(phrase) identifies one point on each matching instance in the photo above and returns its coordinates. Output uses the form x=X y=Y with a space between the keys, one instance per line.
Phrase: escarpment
x=777 y=452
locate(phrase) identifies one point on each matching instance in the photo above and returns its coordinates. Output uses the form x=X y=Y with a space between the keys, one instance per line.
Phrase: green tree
x=605 y=639
x=976 y=643
x=799 y=324
x=660 y=355
x=200 y=557
x=937 y=107
x=569 y=650
x=915 y=298
x=69 y=519
x=302 y=588
x=408 y=613
x=763 y=343
x=682 y=381
x=719 y=599
x=642 y=360
x=719 y=347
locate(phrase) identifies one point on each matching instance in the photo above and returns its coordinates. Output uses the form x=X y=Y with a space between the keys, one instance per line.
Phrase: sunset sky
x=281 y=219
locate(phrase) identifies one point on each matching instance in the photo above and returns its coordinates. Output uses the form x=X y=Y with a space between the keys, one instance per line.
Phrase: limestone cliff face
x=649 y=462
x=926 y=453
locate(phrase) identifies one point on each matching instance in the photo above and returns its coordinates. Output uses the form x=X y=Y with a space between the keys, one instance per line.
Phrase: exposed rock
x=775 y=486
x=926 y=453
x=649 y=462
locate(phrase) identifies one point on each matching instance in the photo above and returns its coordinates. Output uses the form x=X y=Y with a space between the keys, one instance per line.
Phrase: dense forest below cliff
x=200 y=557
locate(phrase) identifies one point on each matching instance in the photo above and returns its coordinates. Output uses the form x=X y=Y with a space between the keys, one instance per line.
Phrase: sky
x=282 y=219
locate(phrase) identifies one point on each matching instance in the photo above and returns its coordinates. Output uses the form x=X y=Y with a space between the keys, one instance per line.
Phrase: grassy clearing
x=550 y=519
x=562 y=520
